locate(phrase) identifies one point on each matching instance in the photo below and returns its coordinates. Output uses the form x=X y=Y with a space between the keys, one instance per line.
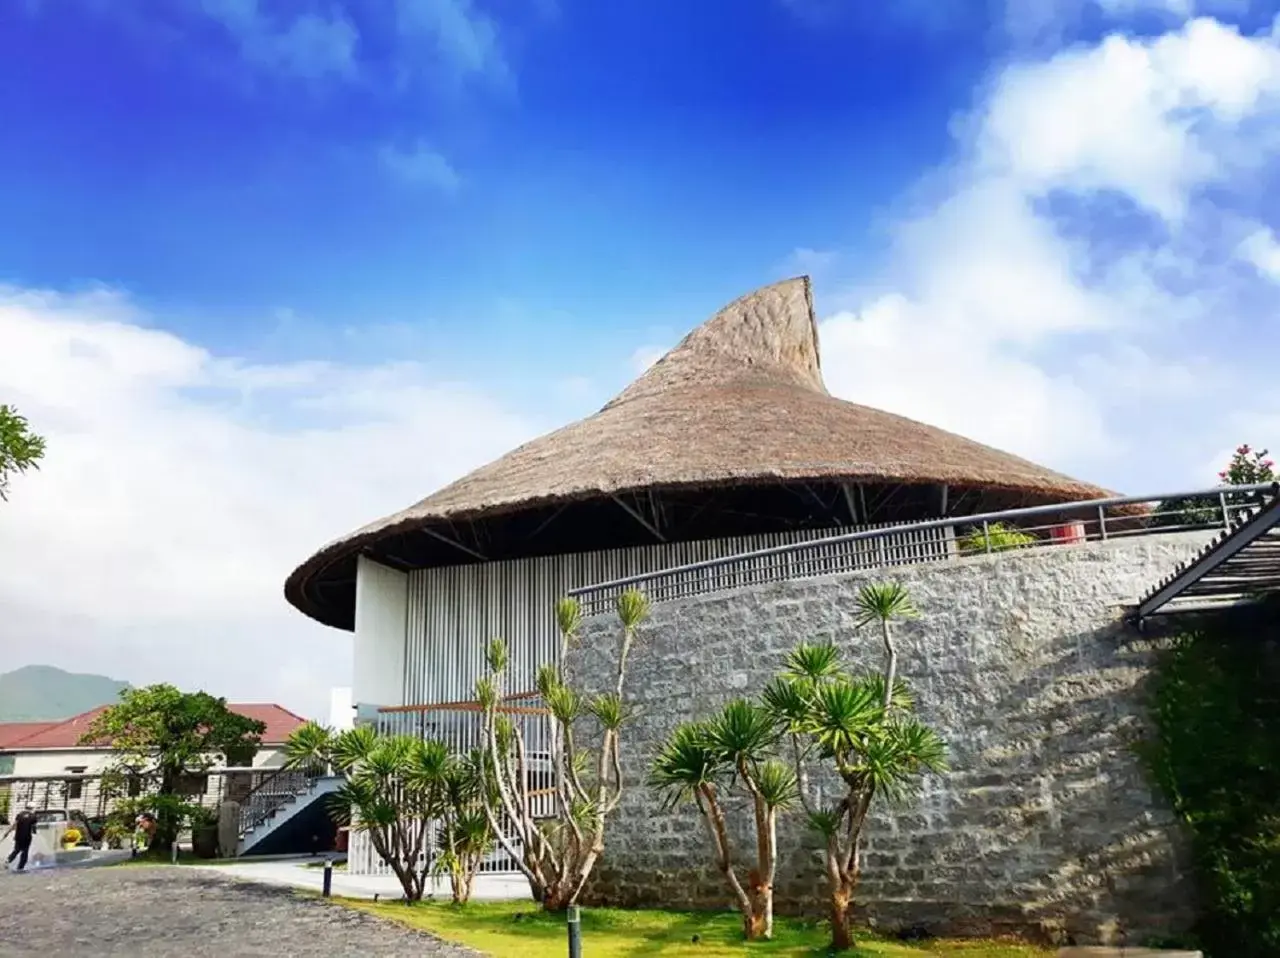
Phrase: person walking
x=24 y=830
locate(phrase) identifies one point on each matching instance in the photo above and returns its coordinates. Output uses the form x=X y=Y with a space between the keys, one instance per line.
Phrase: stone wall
x=1045 y=825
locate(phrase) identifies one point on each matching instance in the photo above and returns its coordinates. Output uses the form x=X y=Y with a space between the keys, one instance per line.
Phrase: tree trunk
x=167 y=822
x=457 y=884
x=713 y=814
x=407 y=882
x=557 y=898
x=891 y=668
x=468 y=881
x=841 y=908
x=760 y=917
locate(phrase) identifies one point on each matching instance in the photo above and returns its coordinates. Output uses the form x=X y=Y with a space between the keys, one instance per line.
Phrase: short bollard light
x=575 y=932
x=175 y=852
x=327 y=889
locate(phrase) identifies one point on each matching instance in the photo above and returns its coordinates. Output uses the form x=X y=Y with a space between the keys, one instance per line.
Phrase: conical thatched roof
x=740 y=401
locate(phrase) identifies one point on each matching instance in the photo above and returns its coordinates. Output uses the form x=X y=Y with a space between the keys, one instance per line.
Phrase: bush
x=115 y=835
x=1216 y=757
x=1000 y=536
x=203 y=817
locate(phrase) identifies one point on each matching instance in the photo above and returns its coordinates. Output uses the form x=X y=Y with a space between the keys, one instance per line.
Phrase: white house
x=45 y=762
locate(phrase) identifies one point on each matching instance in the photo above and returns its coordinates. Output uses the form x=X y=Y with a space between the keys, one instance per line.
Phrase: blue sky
x=272 y=268
x=539 y=165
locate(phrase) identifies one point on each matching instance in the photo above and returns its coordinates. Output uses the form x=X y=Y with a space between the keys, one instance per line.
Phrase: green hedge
x=1216 y=756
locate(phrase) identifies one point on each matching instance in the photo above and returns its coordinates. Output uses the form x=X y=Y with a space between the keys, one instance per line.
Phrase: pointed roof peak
x=739 y=405
x=769 y=335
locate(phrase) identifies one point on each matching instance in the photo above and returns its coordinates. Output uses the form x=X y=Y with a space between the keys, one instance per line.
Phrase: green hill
x=40 y=693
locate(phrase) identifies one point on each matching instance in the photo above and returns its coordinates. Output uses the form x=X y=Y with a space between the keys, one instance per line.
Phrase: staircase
x=277 y=801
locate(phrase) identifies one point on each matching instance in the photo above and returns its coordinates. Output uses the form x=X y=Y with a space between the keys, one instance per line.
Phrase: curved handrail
x=271 y=793
x=1096 y=508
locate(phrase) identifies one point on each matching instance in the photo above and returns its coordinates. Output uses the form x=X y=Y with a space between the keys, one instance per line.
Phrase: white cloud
x=180 y=488
x=419 y=165
x=311 y=45
x=1129 y=116
x=1048 y=296
x=461 y=37
x=1261 y=249
x=1041 y=21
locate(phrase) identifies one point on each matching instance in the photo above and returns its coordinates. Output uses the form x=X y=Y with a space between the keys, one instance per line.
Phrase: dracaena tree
x=391 y=793
x=702 y=762
x=463 y=835
x=858 y=730
x=557 y=804
x=399 y=790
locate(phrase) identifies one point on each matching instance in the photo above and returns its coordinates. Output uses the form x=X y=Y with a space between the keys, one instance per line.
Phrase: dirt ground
x=158 y=912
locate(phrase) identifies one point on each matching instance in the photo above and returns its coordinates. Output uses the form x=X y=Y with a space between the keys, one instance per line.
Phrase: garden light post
x=327 y=888
x=575 y=932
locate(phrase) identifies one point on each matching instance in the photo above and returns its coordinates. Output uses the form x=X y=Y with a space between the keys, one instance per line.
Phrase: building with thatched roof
x=730 y=441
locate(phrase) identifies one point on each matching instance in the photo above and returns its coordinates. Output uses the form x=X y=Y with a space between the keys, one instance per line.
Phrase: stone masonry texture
x=1045 y=826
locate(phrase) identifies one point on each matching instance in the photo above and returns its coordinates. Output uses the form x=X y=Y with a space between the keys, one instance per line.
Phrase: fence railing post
x=1226 y=512
x=1102 y=523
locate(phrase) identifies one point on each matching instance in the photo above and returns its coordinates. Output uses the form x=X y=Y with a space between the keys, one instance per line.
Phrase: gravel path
x=144 y=912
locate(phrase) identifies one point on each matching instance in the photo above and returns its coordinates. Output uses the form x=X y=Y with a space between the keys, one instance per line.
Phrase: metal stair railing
x=278 y=789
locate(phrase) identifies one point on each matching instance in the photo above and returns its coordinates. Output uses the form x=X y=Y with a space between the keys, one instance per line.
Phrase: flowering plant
x=1248 y=466
x=71 y=836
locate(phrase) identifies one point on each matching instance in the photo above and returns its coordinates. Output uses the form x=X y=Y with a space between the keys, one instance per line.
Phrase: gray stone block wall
x=1045 y=825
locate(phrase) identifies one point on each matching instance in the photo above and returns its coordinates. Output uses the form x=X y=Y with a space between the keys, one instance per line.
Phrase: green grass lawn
x=519 y=930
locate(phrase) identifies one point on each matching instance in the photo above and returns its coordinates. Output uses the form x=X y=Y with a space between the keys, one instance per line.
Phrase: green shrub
x=1215 y=755
x=1001 y=537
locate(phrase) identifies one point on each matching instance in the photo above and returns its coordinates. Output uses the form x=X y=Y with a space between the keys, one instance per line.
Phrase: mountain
x=38 y=693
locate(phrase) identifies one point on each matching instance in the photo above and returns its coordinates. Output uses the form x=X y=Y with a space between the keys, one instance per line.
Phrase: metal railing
x=271 y=793
x=1095 y=520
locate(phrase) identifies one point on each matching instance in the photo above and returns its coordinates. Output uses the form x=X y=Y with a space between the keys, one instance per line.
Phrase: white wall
x=56 y=761
x=381 y=604
x=341 y=714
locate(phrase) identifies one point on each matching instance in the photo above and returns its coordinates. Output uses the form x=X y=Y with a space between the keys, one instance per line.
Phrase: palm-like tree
x=883 y=603
x=862 y=727
x=557 y=854
x=703 y=759
x=310 y=748
x=397 y=789
x=874 y=751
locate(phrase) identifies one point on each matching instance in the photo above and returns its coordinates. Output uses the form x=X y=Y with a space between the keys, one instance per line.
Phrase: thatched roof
x=740 y=401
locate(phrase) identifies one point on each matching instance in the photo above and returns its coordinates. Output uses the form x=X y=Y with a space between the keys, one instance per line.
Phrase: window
x=75 y=786
x=134 y=787
x=6 y=764
x=192 y=784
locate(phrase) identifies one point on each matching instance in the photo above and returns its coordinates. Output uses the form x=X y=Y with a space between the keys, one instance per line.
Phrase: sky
x=270 y=269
